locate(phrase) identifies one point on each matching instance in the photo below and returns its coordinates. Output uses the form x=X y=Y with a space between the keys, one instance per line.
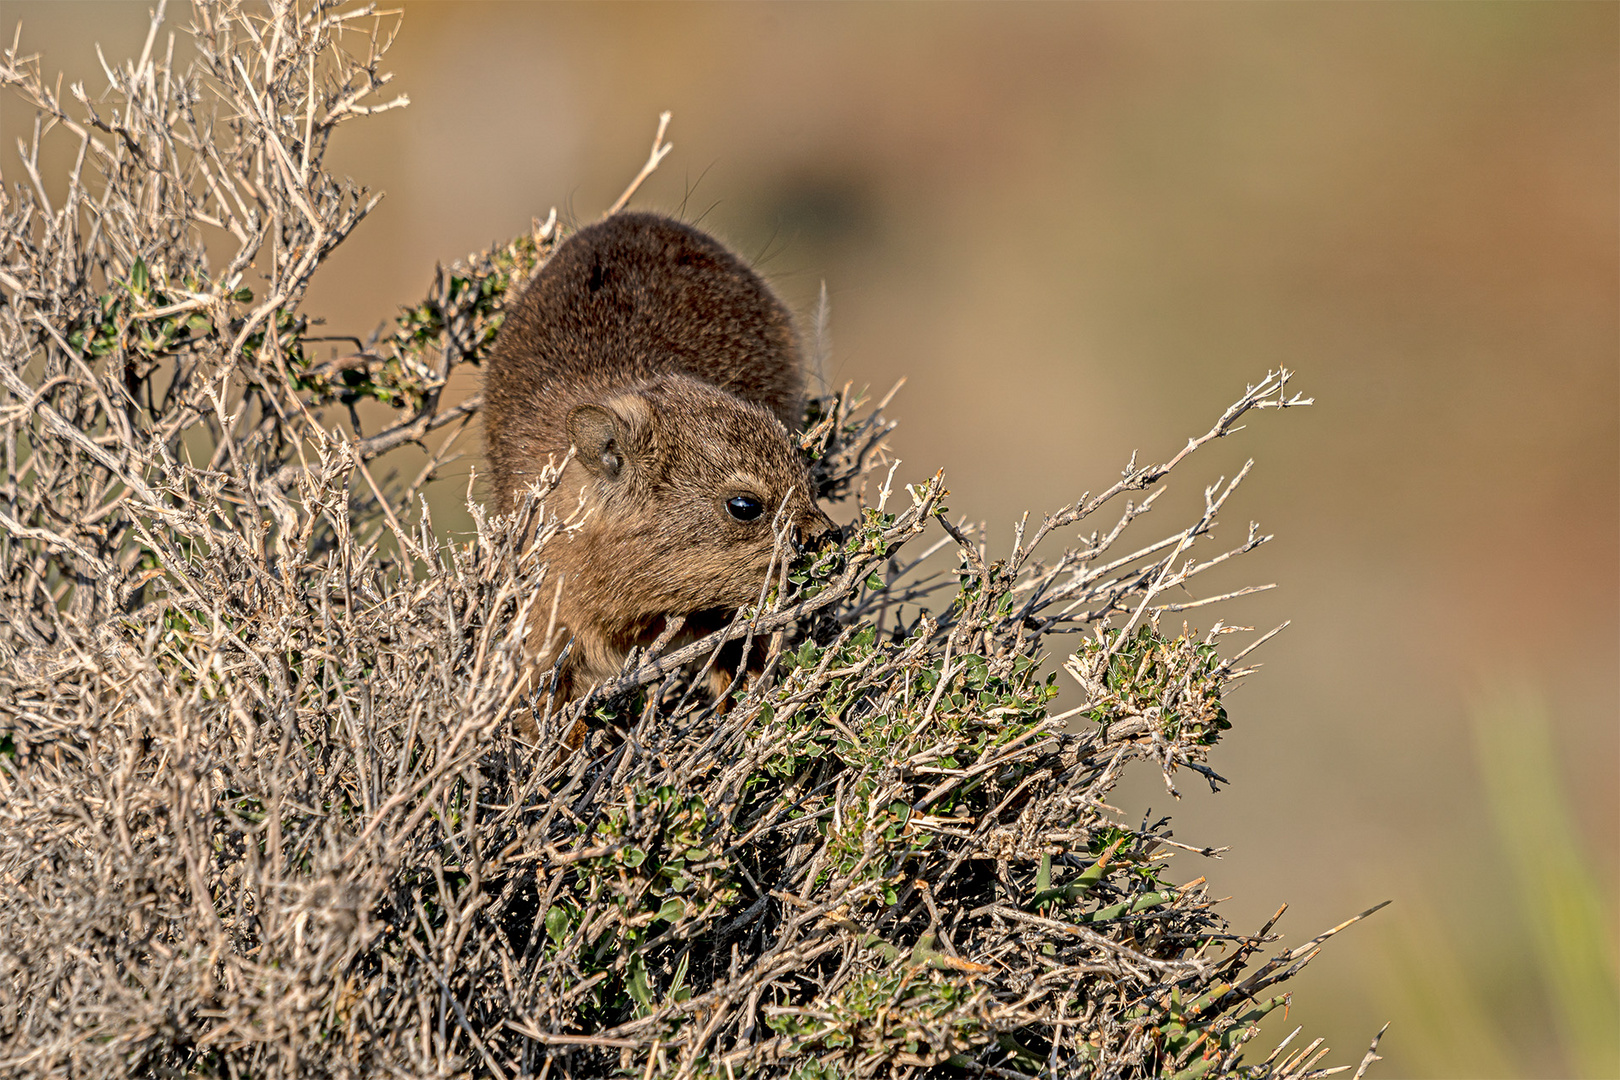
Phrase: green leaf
x=678 y=990
x=1082 y=884
x=1144 y=902
x=1043 y=875
x=638 y=982
x=557 y=921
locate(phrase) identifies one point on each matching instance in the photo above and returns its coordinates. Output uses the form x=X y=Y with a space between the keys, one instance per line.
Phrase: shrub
x=264 y=810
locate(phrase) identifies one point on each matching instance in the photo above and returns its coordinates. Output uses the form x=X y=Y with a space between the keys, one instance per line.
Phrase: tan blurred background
x=1078 y=230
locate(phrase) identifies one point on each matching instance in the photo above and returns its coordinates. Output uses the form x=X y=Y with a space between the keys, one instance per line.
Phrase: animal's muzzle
x=815 y=531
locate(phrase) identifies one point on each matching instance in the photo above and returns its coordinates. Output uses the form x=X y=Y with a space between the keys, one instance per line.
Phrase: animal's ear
x=609 y=435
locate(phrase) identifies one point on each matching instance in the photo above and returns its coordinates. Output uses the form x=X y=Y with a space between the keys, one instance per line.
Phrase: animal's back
x=621 y=302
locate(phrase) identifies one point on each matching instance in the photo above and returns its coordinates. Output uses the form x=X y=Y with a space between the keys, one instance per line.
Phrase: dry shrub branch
x=262 y=810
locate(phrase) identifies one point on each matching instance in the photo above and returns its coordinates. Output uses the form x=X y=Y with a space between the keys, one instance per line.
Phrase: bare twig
x=660 y=149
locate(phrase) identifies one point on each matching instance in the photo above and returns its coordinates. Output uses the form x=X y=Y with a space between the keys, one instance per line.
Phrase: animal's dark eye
x=744 y=507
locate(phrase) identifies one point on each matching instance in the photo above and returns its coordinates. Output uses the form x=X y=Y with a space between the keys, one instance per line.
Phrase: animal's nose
x=815 y=530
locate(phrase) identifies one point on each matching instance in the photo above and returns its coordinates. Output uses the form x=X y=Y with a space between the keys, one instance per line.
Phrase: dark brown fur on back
x=676 y=373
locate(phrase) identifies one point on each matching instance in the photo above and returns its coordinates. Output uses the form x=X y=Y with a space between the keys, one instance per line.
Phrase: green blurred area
x=1079 y=230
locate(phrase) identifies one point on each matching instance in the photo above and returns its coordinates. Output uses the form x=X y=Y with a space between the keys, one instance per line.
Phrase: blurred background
x=1079 y=230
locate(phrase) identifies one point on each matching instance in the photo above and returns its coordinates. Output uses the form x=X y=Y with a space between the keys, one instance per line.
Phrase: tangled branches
x=264 y=808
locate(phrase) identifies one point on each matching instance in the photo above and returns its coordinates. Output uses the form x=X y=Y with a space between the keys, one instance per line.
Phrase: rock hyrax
x=676 y=374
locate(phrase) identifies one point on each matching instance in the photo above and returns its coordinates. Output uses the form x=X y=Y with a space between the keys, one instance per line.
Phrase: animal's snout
x=814 y=531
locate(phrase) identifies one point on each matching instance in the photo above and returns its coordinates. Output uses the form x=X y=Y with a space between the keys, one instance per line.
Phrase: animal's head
x=687 y=489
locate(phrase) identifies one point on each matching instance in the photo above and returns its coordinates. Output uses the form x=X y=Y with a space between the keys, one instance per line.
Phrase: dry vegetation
x=262 y=811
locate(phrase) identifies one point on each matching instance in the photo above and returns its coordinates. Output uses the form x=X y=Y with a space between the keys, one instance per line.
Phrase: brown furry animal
x=676 y=374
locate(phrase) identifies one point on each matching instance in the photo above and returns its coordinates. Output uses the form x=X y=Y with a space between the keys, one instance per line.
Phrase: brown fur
x=676 y=373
